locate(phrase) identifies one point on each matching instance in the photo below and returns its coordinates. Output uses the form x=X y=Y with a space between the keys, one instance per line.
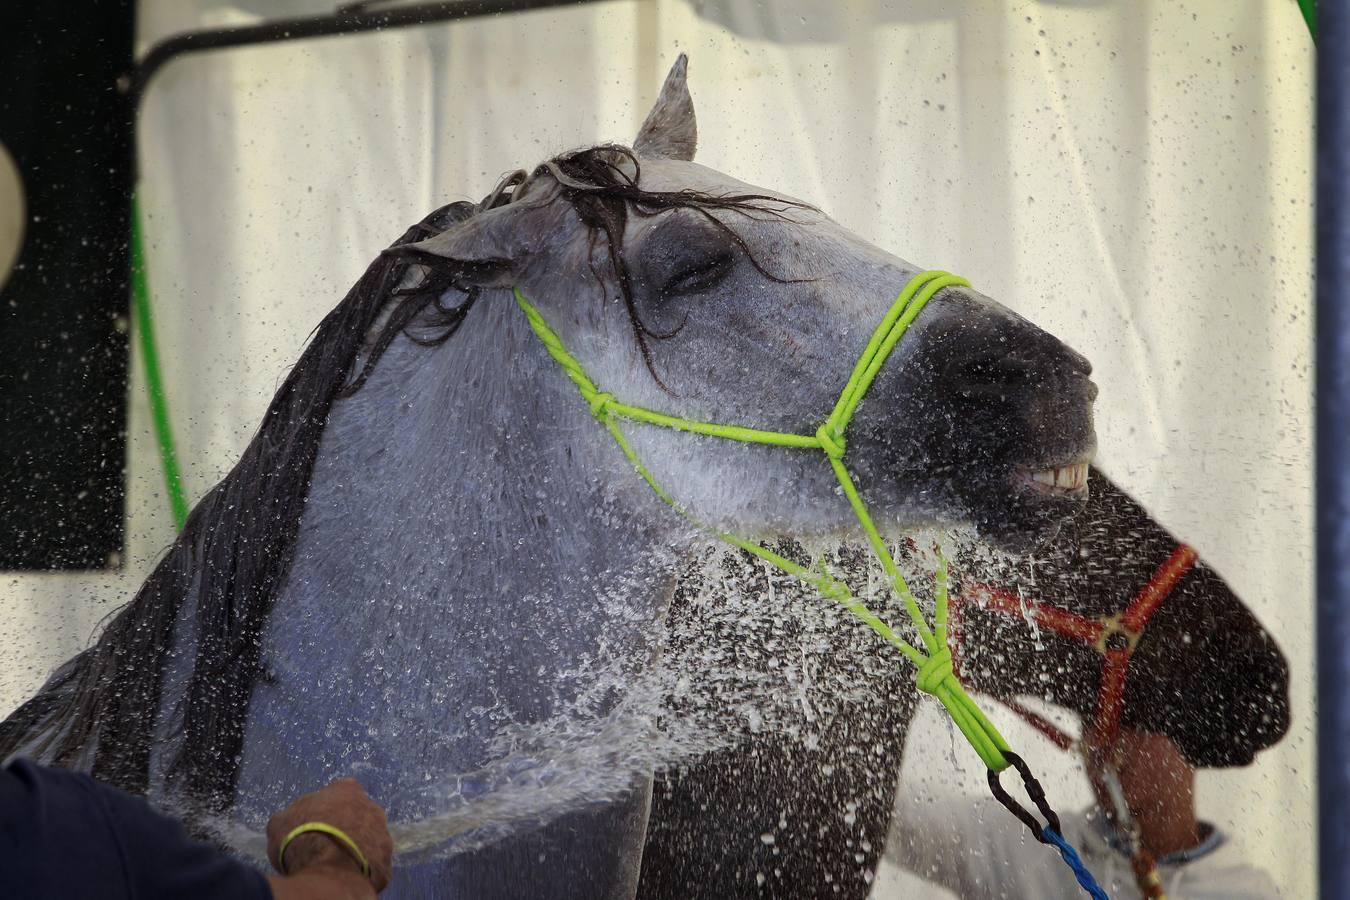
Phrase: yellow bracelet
x=336 y=834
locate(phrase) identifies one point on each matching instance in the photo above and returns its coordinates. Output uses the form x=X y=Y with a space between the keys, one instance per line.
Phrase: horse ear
x=670 y=130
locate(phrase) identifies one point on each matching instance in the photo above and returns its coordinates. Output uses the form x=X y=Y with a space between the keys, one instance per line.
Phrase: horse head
x=681 y=289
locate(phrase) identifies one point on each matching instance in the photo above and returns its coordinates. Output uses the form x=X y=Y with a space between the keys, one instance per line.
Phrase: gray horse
x=431 y=553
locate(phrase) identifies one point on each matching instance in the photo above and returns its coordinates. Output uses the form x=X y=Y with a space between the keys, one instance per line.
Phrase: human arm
x=330 y=875
x=319 y=866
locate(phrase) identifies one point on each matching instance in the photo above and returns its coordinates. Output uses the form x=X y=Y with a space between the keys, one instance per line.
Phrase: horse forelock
x=602 y=184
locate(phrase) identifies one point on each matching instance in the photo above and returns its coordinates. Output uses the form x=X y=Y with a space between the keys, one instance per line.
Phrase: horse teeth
x=1068 y=478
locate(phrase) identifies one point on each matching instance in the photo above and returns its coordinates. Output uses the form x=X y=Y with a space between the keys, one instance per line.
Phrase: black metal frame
x=352 y=19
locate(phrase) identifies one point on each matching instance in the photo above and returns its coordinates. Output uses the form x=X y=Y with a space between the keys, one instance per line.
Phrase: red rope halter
x=1115 y=637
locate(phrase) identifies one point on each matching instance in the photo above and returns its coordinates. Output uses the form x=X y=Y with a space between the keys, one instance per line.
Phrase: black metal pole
x=1333 y=447
x=349 y=20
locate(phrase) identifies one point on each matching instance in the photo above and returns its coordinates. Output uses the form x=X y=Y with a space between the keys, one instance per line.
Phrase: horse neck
x=471 y=555
x=472 y=472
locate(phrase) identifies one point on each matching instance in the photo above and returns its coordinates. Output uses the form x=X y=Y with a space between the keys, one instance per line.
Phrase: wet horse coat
x=431 y=548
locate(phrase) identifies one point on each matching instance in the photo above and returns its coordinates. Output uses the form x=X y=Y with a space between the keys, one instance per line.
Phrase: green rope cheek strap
x=934 y=661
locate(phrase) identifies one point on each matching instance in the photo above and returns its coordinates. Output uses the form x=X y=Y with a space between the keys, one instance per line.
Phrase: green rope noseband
x=934 y=662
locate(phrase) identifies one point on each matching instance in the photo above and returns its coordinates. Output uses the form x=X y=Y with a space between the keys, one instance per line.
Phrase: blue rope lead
x=1080 y=871
x=1050 y=834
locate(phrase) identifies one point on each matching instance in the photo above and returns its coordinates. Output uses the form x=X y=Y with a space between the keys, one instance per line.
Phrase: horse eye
x=700 y=277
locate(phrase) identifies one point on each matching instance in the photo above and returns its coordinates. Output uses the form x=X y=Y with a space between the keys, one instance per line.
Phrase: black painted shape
x=63 y=310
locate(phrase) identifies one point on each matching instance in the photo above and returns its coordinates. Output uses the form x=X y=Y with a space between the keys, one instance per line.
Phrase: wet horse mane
x=99 y=710
x=239 y=541
x=598 y=186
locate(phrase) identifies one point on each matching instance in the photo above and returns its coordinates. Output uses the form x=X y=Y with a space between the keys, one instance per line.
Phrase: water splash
x=746 y=649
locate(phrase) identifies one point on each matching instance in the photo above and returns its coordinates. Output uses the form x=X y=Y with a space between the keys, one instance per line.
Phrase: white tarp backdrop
x=1134 y=176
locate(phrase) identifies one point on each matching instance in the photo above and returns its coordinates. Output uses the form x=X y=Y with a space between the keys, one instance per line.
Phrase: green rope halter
x=934 y=662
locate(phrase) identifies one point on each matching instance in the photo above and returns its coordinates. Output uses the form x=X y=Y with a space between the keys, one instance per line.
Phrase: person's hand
x=343 y=805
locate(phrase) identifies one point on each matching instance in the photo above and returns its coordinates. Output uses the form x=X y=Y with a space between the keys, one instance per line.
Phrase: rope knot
x=831 y=589
x=831 y=441
x=936 y=670
x=599 y=402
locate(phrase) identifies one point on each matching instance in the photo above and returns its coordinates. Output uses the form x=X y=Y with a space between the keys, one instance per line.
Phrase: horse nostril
x=990 y=372
x=995 y=350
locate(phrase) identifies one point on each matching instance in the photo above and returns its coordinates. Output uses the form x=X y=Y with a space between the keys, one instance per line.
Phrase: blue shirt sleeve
x=64 y=835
